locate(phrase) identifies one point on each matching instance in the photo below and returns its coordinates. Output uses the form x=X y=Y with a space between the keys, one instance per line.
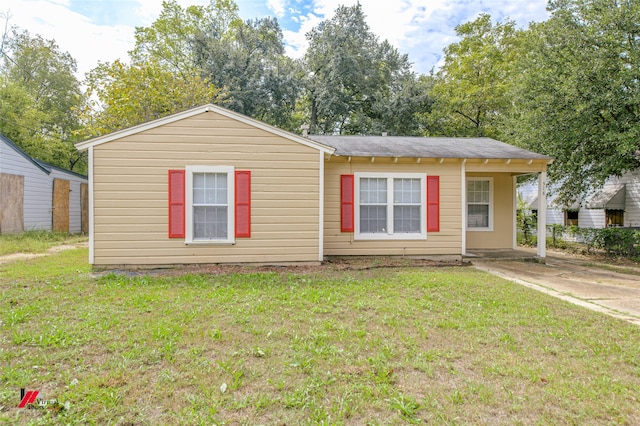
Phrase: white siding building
x=617 y=203
x=27 y=193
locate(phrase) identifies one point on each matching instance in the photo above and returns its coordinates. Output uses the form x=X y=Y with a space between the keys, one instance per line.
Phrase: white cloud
x=277 y=7
x=420 y=28
x=86 y=42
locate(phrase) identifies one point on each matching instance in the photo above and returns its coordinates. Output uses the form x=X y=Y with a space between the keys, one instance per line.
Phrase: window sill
x=480 y=229
x=210 y=243
x=389 y=237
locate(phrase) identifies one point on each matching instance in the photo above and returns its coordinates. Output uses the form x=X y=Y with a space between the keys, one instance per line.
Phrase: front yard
x=327 y=345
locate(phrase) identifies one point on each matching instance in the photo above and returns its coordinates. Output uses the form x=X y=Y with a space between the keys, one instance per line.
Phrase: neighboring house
x=35 y=195
x=212 y=186
x=616 y=204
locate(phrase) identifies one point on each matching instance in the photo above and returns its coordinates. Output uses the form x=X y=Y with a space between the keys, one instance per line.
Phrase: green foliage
x=622 y=242
x=357 y=84
x=470 y=89
x=245 y=59
x=168 y=41
x=525 y=220
x=132 y=94
x=557 y=230
x=618 y=241
x=576 y=92
x=40 y=98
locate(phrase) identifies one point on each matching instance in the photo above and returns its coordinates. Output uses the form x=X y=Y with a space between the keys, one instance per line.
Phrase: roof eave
x=545 y=160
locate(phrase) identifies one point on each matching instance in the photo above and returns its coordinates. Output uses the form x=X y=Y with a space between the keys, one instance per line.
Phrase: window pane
x=198 y=188
x=220 y=188
x=216 y=187
x=406 y=219
x=210 y=188
x=373 y=191
x=478 y=216
x=478 y=191
x=373 y=219
x=406 y=191
x=209 y=222
x=198 y=180
x=484 y=193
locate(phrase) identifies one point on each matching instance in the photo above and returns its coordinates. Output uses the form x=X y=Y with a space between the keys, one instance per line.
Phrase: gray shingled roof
x=421 y=147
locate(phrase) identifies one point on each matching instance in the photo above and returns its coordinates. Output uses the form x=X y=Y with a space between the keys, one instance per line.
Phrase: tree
x=354 y=80
x=169 y=41
x=244 y=58
x=470 y=89
x=247 y=60
x=127 y=95
x=40 y=99
x=577 y=92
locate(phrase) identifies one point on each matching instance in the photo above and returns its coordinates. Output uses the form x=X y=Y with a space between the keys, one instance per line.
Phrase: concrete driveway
x=614 y=290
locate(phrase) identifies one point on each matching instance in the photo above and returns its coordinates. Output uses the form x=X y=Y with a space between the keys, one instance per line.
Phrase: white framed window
x=390 y=206
x=480 y=204
x=209 y=204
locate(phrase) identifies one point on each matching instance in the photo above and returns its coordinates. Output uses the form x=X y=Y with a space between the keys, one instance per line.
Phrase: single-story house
x=616 y=204
x=35 y=195
x=209 y=185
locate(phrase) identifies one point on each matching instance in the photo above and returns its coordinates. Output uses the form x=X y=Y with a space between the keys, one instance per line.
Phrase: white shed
x=35 y=195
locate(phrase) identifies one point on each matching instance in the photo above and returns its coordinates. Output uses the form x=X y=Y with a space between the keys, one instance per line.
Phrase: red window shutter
x=176 y=203
x=243 y=203
x=433 y=203
x=346 y=203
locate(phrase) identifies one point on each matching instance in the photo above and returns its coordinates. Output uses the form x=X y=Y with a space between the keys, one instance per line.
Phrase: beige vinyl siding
x=446 y=242
x=501 y=237
x=130 y=193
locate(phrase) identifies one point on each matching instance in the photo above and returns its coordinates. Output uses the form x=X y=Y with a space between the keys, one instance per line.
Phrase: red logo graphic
x=27 y=398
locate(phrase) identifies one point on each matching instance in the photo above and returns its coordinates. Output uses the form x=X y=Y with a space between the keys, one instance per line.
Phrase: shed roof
x=50 y=167
x=42 y=165
x=425 y=147
x=26 y=156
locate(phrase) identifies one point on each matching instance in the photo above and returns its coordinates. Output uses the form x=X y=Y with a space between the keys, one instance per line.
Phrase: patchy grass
x=35 y=241
x=329 y=346
x=620 y=268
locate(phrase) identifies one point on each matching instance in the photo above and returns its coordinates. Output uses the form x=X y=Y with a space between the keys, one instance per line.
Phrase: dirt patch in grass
x=332 y=264
x=14 y=257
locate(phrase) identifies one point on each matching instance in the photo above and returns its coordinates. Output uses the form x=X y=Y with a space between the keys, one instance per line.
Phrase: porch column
x=542 y=214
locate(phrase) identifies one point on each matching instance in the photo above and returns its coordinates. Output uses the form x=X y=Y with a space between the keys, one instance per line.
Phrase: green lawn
x=322 y=346
x=35 y=241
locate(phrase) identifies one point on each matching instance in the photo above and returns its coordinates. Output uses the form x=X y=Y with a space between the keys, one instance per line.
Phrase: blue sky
x=95 y=31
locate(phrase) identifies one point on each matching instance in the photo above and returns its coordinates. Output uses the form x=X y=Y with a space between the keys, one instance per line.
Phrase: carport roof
x=425 y=147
